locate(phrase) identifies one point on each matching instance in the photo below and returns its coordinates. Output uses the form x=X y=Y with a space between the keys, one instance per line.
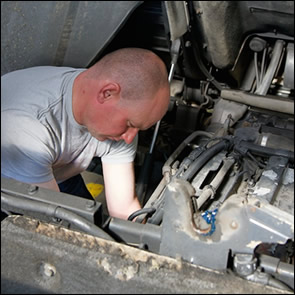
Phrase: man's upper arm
x=119 y=181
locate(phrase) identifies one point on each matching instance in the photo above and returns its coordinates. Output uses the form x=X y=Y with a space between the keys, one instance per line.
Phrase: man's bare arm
x=119 y=181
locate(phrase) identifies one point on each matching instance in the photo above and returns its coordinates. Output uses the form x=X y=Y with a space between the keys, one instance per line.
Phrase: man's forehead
x=142 y=124
x=146 y=113
x=144 y=120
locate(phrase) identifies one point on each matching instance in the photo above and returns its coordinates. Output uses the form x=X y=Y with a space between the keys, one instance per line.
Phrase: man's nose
x=129 y=135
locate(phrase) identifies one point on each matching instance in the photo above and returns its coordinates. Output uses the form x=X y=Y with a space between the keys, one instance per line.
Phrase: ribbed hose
x=180 y=148
x=204 y=158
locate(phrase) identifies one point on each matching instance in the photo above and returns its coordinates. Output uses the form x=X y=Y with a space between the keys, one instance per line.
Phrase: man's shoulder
x=39 y=69
x=36 y=86
x=36 y=74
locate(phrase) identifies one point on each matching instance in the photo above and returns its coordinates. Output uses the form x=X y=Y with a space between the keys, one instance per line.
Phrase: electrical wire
x=260 y=165
x=147 y=211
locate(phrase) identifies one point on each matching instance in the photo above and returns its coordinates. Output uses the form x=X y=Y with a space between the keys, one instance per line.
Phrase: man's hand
x=119 y=181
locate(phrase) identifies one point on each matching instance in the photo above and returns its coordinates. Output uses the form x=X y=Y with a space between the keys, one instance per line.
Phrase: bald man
x=54 y=120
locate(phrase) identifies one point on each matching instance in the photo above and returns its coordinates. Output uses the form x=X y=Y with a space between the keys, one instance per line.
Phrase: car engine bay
x=228 y=189
x=216 y=175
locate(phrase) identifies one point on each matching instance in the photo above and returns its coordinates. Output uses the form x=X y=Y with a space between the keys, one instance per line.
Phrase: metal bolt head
x=90 y=204
x=234 y=224
x=245 y=264
x=32 y=189
x=48 y=269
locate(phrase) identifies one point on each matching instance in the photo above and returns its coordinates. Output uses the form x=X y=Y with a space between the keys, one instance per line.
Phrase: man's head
x=126 y=91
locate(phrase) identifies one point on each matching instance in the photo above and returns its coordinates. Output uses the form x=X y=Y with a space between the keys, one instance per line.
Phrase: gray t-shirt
x=40 y=139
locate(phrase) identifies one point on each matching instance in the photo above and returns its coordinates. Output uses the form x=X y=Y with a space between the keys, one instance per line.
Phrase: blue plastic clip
x=209 y=217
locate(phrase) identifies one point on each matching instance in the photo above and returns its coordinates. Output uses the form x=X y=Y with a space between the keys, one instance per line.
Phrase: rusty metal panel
x=39 y=257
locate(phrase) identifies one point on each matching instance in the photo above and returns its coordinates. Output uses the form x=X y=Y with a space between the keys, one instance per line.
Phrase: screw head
x=90 y=204
x=234 y=224
x=48 y=269
x=32 y=189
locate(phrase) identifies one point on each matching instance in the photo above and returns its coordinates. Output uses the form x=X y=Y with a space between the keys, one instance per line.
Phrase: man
x=54 y=120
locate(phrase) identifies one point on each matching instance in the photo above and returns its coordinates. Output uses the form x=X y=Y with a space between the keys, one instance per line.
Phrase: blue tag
x=209 y=217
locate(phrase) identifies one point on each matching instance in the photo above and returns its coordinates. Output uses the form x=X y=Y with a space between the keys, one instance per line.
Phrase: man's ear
x=108 y=91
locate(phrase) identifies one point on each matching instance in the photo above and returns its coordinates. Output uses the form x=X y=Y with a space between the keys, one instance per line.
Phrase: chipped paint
x=108 y=267
x=289 y=177
x=253 y=244
x=133 y=255
x=124 y=273
x=270 y=174
x=261 y=191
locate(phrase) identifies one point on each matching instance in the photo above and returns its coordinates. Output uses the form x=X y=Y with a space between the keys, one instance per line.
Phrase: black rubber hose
x=204 y=158
x=157 y=216
x=141 y=211
x=54 y=211
x=264 y=151
x=180 y=148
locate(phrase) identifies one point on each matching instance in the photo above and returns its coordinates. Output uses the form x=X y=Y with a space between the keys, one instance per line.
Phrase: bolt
x=258 y=204
x=32 y=189
x=188 y=43
x=57 y=220
x=234 y=224
x=90 y=204
x=48 y=270
x=199 y=11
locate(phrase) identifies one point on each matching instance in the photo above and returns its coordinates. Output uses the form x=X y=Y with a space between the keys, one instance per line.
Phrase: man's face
x=123 y=121
x=115 y=127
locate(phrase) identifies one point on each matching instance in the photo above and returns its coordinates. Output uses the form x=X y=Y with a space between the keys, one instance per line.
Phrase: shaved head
x=139 y=72
x=124 y=92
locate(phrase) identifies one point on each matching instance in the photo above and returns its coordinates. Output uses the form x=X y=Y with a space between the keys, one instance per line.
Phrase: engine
x=230 y=198
x=226 y=199
x=215 y=176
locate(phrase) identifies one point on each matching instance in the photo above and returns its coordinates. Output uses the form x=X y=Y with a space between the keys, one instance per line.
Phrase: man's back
x=36 y=119
x=40 y=139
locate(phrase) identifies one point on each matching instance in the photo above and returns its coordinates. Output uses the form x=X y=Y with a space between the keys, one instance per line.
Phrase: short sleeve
x=27 y=153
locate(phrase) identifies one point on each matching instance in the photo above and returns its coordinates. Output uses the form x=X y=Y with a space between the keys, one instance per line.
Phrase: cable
x=145 y=172
x=256 y=149
x=260 y=165
x=141 y=211
x=196 y=51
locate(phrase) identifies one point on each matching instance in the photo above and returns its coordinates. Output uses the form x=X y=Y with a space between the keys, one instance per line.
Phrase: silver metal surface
x=274 y=63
